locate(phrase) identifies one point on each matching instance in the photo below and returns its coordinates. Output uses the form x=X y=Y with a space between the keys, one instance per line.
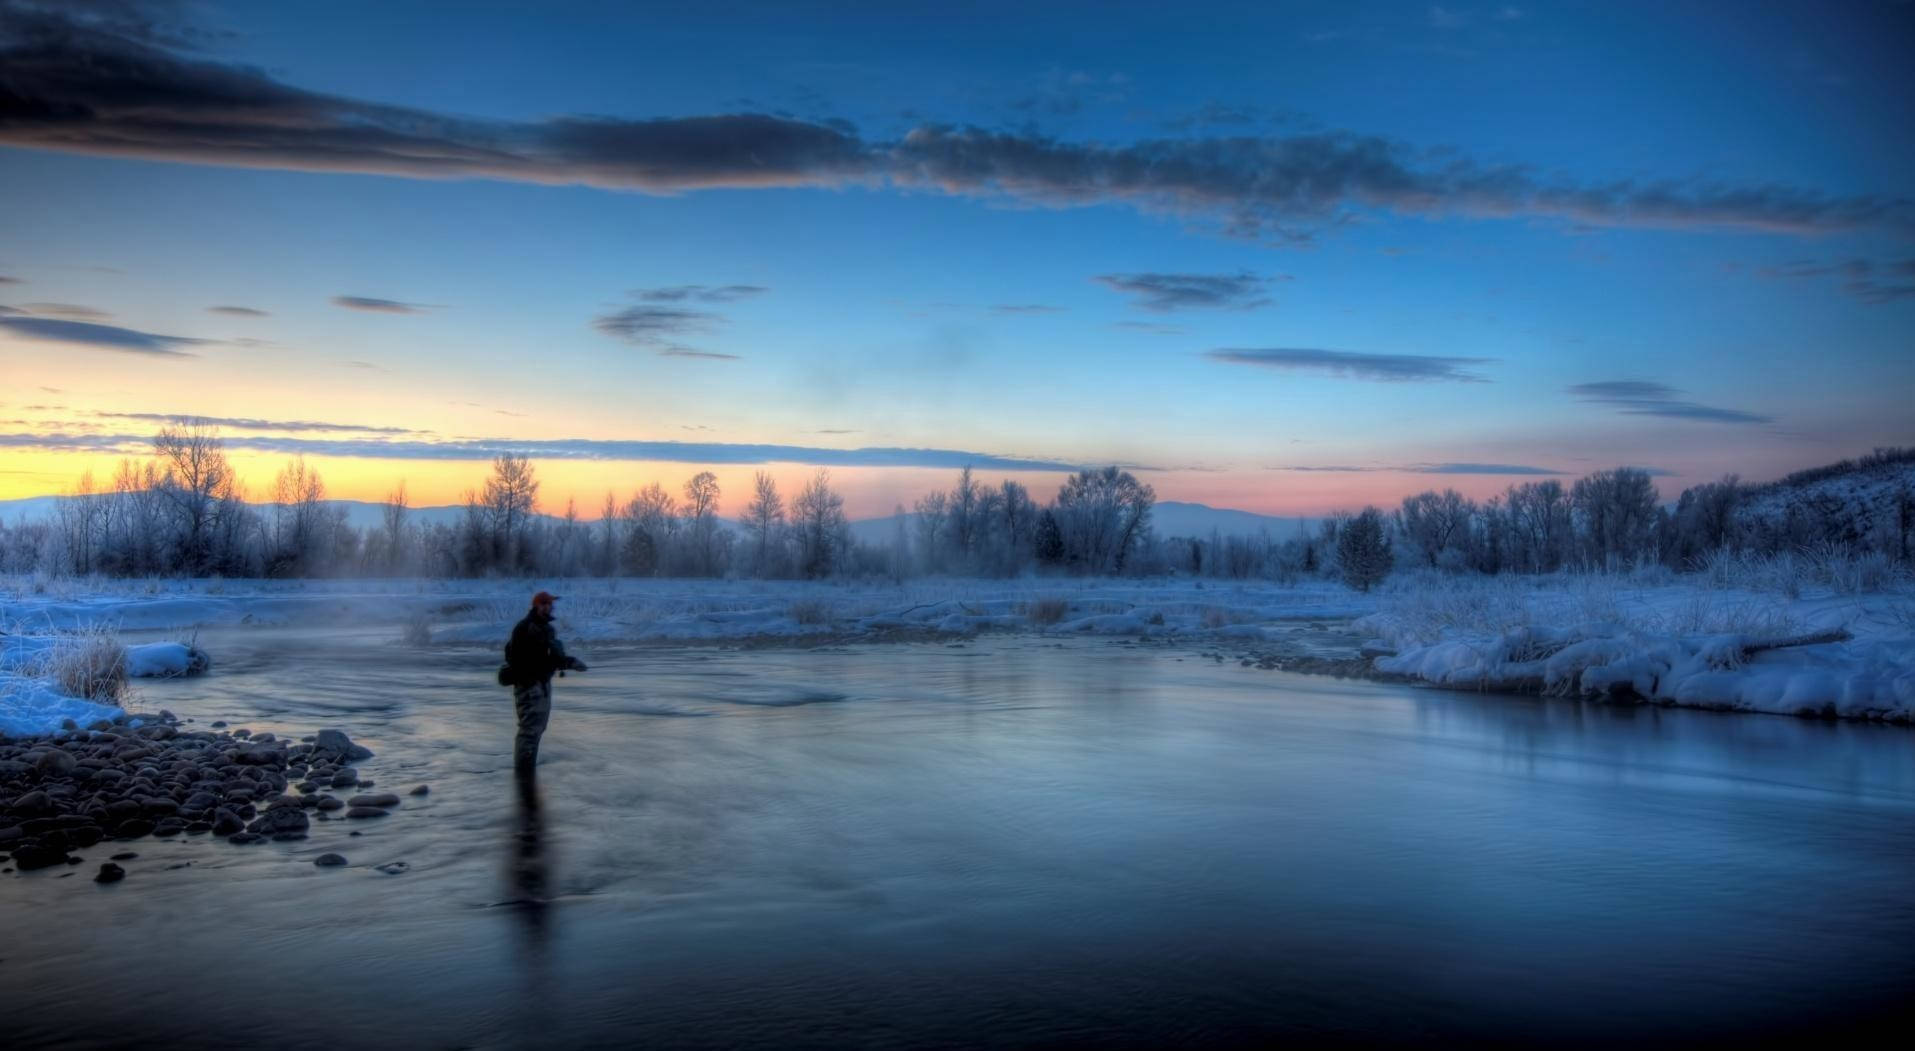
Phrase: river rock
x=420 y=790
x=133 y=828
x=375 y=799
x=329 y=860
x=33 y=803
x=226 y=822
x=283 y=821
x=54 y=762
x=365 y=811
x=345 y=778
x=109 y=873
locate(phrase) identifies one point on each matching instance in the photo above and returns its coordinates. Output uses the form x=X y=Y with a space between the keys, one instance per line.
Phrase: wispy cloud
x=1166 y=292
x=1478 y=468
x=659 y=328
x=1386 y=368
x=85 y=84
x=1026 y=308
x=237 y=311
x=98 y=337
x=1866 y=280
x=562 y=449
x=1428 y=468
x=1154 y=327
x=70 y=311
x=699 y=293
x=5 y=280
x=248 y=423
x=375 y=305
x=1647 y=398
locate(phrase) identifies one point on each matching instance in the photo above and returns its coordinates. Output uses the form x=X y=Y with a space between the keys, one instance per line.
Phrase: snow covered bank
x=46 y=680
x=692 y=610
x=1826 y=655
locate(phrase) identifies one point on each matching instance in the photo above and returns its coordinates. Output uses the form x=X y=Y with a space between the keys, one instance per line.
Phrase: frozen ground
x=1695 y=641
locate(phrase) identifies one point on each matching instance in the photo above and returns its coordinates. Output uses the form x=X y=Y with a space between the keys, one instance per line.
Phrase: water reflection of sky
x=1097 y=841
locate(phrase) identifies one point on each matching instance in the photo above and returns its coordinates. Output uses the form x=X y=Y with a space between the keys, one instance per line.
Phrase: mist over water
x=1005 y=841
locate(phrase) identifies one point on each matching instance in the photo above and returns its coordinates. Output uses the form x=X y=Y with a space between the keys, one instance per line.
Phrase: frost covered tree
x=701 y=522
x=508 y=499
x=651 y=519
x=1617 y=514
x=197 y=484
x=1363 y=550
x=764 y=516
x=817 y=518
x=1102 y=516
x=1433 y=523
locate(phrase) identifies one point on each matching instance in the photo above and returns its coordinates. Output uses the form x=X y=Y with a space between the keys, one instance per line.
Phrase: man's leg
x=534 y=704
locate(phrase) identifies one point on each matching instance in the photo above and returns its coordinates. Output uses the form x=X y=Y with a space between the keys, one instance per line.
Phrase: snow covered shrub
x=809 y=611
x=1047 y=610
x=89 y=664
x=417 y=632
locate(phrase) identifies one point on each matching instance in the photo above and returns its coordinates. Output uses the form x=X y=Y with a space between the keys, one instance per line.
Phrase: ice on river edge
x=1674 y=641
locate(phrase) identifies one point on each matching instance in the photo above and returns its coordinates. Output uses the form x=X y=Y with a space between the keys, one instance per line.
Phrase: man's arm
x=563 y=660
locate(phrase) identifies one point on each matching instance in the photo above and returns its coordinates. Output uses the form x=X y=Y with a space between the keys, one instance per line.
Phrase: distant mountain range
x=1168 y=518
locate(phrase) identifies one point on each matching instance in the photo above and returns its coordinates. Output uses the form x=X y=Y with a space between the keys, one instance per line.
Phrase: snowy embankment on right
x=1771 y=636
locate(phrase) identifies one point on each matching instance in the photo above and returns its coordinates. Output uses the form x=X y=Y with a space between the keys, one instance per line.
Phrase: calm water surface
x=1009 y=842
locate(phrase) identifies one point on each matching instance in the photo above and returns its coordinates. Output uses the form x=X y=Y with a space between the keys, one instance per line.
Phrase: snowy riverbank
x=1687 y=641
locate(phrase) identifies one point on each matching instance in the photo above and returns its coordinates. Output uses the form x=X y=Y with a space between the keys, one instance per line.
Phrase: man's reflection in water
x=528 y=874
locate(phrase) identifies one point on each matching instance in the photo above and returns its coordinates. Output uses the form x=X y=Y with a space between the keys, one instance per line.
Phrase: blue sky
x=1426 y=244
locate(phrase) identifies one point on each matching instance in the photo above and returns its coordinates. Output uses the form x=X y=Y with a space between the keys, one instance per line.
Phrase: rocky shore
x=154 y=776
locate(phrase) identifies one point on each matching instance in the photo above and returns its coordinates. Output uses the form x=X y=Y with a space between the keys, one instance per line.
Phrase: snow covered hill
x=1869 y=501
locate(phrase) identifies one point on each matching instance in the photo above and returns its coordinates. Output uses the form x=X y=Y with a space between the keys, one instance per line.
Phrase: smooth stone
x=125 y=855
x=392 y=868
x=329 y=860
x=421 y=790
x=365 y=811
x=243 y=838
x=378 y=799
x=329 y=802
x=109 y=873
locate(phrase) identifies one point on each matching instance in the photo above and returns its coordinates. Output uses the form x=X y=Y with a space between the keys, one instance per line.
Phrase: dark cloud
x=1647 y=398
x=1166 y=292
x=700 y=293
x=660 y=328
x=374 y=305
x=70 y=311
x=118 y=87
x=251 y=424
x=1866 y=280
x=563 y=449
x=99 y=337
x=5 y=280
x=1388 y=368
x=237 y=311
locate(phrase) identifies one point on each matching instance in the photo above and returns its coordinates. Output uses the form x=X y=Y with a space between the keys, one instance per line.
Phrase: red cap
x=543 y=598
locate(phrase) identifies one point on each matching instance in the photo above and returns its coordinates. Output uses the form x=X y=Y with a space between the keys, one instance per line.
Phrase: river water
x=1004 y=842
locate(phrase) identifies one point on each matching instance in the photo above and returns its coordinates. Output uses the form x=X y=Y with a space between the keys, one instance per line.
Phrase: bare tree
x=1103 y=515
x=197 y=480
x=764 y=515
x=392 y=517
x=818 y=516
x=701 y=518
x=508 y=499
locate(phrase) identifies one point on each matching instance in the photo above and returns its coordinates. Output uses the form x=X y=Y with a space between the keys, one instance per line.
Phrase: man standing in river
x=531 y=656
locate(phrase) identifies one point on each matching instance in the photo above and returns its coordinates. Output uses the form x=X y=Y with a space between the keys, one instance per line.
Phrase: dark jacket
x=534 y=651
